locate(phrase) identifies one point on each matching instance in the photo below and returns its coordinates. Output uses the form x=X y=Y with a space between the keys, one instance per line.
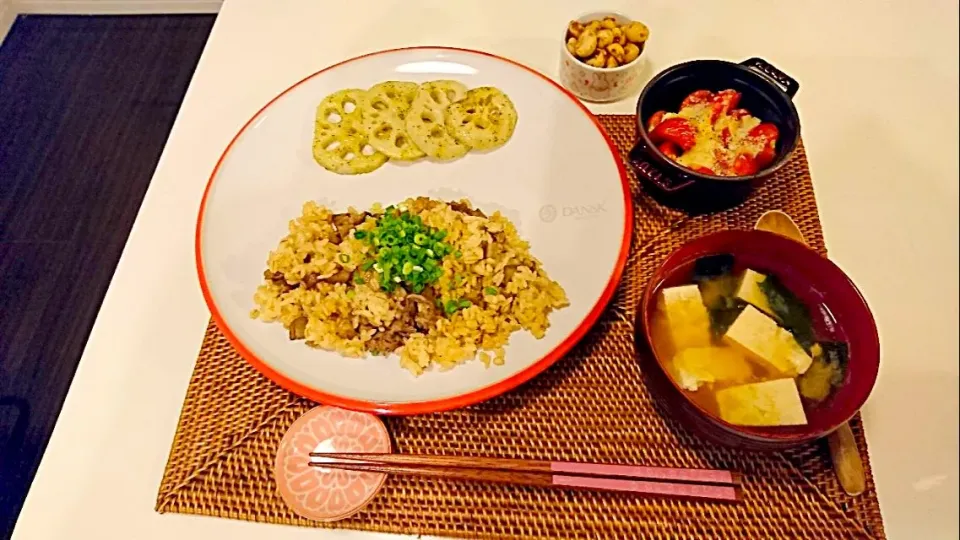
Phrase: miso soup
x=745 y=347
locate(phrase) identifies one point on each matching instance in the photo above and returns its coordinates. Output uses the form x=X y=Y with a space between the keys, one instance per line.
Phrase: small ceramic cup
x=599 y=84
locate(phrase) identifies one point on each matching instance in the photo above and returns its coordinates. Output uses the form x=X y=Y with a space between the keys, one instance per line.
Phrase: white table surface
x=879 y=107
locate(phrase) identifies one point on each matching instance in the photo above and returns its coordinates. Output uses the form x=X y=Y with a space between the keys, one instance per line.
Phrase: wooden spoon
x=843 y=447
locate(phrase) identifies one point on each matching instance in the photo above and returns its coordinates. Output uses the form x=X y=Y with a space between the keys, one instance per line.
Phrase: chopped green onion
x=344 y=258
x=405 y=251
x=359 y=280
x=457 y=254
x=490 y=291
x=464 y=304
x=359 y=235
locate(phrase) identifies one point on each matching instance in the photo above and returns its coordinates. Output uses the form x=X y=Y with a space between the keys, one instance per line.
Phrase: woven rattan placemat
x=592 y=405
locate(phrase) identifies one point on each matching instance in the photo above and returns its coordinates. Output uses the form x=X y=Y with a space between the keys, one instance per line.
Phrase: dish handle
x=643 y=168
x=768 y=70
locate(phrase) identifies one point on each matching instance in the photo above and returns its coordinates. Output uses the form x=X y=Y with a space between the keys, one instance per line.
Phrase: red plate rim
x=444 y=404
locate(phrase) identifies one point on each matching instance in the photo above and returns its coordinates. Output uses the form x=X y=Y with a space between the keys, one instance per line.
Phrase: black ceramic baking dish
x=767 y=94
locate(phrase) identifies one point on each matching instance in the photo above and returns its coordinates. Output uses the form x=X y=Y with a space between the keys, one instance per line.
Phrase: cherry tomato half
x=655 y=119
x=669 y=149
x=725 y=136
x=765 y=131
x=700 y=96
x=745 y=165
x=766 y=134
x=722 y=102
x=676 y=130
x=728 y=98
x=766 y=156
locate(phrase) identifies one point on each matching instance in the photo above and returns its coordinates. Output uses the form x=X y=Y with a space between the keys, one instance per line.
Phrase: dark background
x=86 y=104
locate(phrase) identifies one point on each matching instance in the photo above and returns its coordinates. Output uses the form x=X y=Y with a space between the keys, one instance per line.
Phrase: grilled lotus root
x=357 y=131
x=340 y=106
x=485 y=118
x=340 y=144
x=426 y=120
x=384 y=109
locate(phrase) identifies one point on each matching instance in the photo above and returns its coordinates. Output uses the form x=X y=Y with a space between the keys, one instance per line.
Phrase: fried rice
x=323 y=284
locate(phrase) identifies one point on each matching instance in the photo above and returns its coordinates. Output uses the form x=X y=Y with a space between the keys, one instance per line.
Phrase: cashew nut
x=612 y=62
x=599 y=60
x=586 y=45
x=572 y=45
x=592 y=26
x=604 y=38
x=615 y=51
x=609 y=23
x=630 y=53
x=637 y=32
x=575 y=28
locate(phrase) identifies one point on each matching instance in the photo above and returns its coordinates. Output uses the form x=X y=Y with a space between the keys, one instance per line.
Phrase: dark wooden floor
x=86 y=104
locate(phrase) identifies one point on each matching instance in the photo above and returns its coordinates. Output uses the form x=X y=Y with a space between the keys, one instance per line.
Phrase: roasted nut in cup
x=604 y=38
x=637 y=32
x=586 y=44
x=605 y=43
x=598 y=60
x=616 y=51
x=574 y=30
x=619 y=37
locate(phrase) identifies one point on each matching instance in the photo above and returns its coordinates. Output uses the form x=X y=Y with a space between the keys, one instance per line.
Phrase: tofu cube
x=768 y=403
x=767 y=343
x=751 y=293
x=688 y=323
x=698 y=365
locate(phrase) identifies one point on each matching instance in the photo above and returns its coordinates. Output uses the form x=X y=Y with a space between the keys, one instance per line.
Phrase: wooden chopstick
x=708 y=492
x=638 y=472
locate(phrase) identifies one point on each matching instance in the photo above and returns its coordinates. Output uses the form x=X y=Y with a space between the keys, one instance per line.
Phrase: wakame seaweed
x=789 y=310
x=718 y=288
x=836 y=352
x=722 y=319
x=712 y=266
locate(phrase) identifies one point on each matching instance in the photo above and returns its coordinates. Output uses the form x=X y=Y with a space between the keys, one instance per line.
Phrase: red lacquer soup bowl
x=838 y=310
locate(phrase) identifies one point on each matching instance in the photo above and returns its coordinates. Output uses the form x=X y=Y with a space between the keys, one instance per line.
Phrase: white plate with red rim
x=559 y=179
